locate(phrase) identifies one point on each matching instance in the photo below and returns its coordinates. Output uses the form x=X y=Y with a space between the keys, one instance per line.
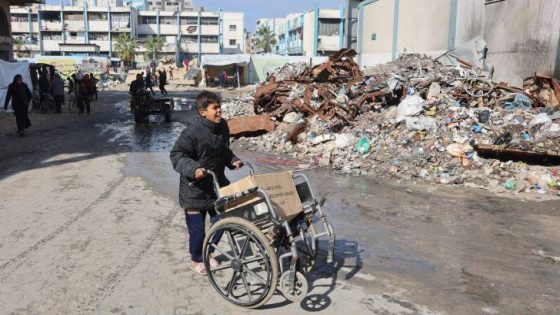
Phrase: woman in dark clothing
x=20 y=95
x=162 y=82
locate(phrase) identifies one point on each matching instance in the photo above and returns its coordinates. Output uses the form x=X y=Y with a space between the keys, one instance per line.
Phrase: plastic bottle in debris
x=363 y=146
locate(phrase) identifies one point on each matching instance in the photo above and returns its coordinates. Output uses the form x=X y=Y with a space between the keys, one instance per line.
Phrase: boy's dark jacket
x=201 y=144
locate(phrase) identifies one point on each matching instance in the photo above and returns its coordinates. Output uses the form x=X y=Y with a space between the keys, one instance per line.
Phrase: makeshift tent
x=8 y=71
x=236 y=66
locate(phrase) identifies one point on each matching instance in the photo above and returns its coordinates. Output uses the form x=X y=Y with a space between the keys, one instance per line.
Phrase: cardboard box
x=279 y=187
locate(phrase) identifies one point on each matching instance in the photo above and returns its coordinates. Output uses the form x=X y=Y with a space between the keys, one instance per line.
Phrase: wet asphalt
x=456 y=250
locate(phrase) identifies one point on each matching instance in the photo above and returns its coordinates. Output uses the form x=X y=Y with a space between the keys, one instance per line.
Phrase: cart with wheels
x=259 y=249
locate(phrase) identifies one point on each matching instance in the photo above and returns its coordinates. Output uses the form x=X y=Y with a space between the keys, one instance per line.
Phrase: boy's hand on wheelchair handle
x=199 y=173
x=238 y=164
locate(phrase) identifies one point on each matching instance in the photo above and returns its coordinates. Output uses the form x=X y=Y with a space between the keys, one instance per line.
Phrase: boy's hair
x=206 y=98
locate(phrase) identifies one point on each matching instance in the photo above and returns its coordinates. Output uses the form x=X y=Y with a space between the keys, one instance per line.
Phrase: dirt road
x=91 y=224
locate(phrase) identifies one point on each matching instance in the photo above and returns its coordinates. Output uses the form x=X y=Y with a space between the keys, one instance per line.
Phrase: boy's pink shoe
x=213 y=263
x=199 y=268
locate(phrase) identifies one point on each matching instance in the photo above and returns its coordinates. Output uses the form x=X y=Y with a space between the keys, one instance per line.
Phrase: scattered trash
x=363 y=146
x=543 y=254
x=440 y=123
x=510 y=184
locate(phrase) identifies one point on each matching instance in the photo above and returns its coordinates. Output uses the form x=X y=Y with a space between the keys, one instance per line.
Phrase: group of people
x=222 y=78
x=83 y=88
x=144 y=80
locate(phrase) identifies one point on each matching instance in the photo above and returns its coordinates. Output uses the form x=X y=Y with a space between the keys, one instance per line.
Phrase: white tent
x=7 y=72
x=235 y=61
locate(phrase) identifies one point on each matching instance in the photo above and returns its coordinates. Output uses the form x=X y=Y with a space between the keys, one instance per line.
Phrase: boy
x=204 y=145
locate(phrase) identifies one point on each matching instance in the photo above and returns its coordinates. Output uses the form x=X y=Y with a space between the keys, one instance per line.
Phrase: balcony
x=329 y=43
x=147 y=29
x=210 y=48
x=74 y=26
x=51 y=25
x=20 y=27
x=103 y=44
x=210 y=29
x=167 y=29
x=98 y=26
x=51 y=45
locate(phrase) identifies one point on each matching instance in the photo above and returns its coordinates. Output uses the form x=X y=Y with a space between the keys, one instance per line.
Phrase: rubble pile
x=414 y=119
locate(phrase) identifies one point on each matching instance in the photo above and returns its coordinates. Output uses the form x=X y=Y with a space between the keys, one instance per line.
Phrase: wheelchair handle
x=215 y=177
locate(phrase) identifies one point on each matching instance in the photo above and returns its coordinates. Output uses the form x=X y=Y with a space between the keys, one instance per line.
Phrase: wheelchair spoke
x=244 y=247
x=256 y=276
x=228 y=256
x=230 y=283
x=221 y=268
x=247 y=287
x=248 y=261
x=232 y=244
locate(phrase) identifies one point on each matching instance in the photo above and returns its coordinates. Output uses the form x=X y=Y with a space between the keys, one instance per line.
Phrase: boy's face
x=213 y=112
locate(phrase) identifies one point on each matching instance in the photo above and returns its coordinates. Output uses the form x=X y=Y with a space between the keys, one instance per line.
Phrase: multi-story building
x=6 y=39
x=72 y=30
x=319 y=32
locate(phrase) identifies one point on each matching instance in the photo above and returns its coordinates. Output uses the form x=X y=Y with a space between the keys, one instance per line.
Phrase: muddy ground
x=91 y=224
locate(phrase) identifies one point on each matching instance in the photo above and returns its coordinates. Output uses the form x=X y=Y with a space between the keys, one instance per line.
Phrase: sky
x=255 y=9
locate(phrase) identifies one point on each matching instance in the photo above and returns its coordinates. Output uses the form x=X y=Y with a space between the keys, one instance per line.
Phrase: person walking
x=20 y=95
x=94 y=82
x=44 y=88
x=202 y=146
x=149 y=80
x=58 y=93
x=170 y=73
x=162 y=82
x=86 y=94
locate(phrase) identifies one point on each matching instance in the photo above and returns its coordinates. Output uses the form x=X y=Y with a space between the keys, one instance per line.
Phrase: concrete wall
x=6 y=47
x=308 y=31
x=522 y=39
x=377 y=19
x=470 y=20
x=351 y=26
x=423 y=26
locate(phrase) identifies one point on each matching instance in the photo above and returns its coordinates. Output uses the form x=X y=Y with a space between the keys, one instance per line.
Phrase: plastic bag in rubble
x=521 y=101
x=363 y=146
x=410 y=106
x=420 y=123
x=551 y=131
x=541 y=118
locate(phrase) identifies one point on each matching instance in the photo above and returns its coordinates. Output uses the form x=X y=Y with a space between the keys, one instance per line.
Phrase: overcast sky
x=255 y=9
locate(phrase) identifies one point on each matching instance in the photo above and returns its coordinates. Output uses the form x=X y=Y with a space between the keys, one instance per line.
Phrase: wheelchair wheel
x=248 y=271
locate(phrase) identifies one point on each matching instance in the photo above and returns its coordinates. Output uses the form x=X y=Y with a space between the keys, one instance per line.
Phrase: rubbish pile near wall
x=412 y=119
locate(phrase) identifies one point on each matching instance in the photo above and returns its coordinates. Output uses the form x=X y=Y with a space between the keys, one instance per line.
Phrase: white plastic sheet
x=8 y=70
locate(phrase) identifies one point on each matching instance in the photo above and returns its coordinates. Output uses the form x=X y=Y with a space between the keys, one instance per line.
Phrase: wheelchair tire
x=247 y=261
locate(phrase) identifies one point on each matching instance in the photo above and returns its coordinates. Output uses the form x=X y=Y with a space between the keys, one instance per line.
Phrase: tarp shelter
x=267 y=63
x=235 y=66
x=8 y=71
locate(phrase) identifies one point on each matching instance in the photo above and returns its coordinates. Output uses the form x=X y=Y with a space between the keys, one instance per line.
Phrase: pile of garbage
x=411 y=119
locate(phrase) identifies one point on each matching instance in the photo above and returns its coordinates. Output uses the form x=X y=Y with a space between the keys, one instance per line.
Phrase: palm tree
x=265 y=38
x=153 y=45
x=125 y=47
x=18 y=42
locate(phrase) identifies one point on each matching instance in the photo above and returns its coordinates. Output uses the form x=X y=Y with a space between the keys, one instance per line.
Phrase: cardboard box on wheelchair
x=279 y=187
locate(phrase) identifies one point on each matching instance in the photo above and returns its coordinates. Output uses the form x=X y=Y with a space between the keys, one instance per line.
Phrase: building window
x=233 y=28
x=189 y=20
x=209 y=20
x=329 y=27
x=149 y=20
x=232 y=42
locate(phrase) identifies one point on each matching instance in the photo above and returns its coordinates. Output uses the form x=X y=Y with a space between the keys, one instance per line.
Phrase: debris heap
x=413 y=118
